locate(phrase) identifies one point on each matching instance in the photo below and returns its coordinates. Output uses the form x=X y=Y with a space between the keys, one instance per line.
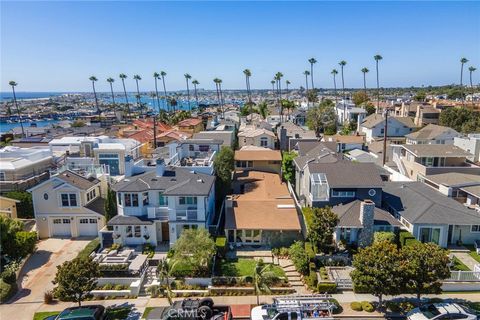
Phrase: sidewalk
x=466 y=259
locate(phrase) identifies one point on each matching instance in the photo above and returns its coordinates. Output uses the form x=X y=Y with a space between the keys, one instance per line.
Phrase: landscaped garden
x=245 y=268
x=473 y=253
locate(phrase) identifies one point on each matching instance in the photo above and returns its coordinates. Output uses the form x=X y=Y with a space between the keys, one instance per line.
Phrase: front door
x=165 y=232
x=159 y=232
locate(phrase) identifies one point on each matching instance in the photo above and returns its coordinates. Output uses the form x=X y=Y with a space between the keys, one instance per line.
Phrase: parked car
x=94 y=312
x=442 y=311
x=192 y=309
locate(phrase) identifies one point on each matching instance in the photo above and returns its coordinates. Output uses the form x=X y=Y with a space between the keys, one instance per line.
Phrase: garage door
x=61 y=227
x=87 y=227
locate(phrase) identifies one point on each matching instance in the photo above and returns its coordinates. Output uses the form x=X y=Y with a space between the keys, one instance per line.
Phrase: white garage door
x=61 y=227
x=87 y=227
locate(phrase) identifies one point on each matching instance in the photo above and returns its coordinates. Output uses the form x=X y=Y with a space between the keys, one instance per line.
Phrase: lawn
x=43 y=315
x=473 y=252
x=244 y=267
x=91 y=247
x=458 y=265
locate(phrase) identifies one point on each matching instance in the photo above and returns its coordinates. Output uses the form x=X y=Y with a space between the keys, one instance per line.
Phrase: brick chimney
x=367 y=212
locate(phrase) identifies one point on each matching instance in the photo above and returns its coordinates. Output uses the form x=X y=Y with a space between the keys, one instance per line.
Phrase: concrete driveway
x=37 y=276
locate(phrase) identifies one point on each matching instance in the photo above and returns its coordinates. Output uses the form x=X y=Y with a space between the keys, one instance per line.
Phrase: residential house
x=420 y=160
x=227 y=136
x=257 y=137
x=426 y=115
x=373 y=126
x=156 y=206
x=429 y=215
x=172 y=135
x=346 y=142
x=450 y=183
x=8 y=207
x=261 y=211
x=258 y=159
x=359 y=220
x=22 y=168
x=432 y=134
x=196 y=154
x=299 y=117
x=192 y=125
x=69 y=205
x=289 y=134
x=349 y=113
x=361 y=156
x=471 y=144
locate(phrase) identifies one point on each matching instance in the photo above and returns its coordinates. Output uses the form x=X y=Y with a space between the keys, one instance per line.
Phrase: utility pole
x=385 y=128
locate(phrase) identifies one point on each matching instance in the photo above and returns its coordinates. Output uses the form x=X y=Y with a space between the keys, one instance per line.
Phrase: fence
x=465 y=276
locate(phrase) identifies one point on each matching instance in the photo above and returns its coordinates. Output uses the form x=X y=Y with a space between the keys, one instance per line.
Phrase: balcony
x=158 y=213
x=187 y=215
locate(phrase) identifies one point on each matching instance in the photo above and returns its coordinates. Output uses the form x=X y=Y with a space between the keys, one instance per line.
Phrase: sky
x=57 y=46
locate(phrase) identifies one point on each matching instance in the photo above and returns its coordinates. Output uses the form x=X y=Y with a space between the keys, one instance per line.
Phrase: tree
x=471 y=70
x=75 y=279
x=462 y=62
x=334 y=73
x=359 y=98
x=110 y=82
x=165 y=269
x=312 y=95
x=196 y=248
x=218 y=83
x=195 y=84
x=342 y=64
x=187 y=78
x=426 y=265
x=94 y=79
x=13 y=84
x=287 y=105
x=322 y=118
x=365 y=71
x=377 y=58
x=321 y=226
x=461 y=119
x=13 y=242
x=263 y=109
x=421 y=95
x=138 y=96
x=248 y=74
x=378 y=270
x=370 y=108
x=78 y=124
x=299 y=257
x=263 y=277
x=163 y=74
x=381 y=236
x=288 y=167
x=110 y=205
x=223 y=164
x=156 y=76
x=25 y=207
x=306 y=73
x=312 y=61
x=122 y=77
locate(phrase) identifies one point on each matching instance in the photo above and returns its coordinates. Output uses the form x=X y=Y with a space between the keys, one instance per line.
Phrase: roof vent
x=200 y=180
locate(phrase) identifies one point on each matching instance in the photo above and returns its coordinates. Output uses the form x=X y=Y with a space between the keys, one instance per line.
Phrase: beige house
x=257 y=137
x=69 y=205
x=259 y=159
x=433 y=134
x=8 y=207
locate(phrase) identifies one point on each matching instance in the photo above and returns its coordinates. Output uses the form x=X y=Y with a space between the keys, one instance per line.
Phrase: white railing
x=188 y=214
x=399 y=163
x=465 y=276
x=158 y=213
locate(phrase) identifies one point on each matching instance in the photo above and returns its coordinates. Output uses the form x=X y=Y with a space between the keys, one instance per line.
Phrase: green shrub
x=92 y=246
x=326 y=287
x=309 y=251
x=9 y=275
x=337 y=306
x=299 y=257
x=311 y=281
x=407 y=239
x=221 y=244
x=170 y=253
x=25 y=242
x=283 y=252
x=356 y=306
x=407 y=306
x=367 y=306
x=6 y=290
x=393 y=306
x=383 y=236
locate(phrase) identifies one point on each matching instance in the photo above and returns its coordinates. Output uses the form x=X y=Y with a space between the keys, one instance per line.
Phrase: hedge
x=6 y=290
x=311 y=280
x=367 y=306
x=407 y=239
x=309 y=251
x=327 y=287
x=356 y=306
x=92 y=246
x=221 y=244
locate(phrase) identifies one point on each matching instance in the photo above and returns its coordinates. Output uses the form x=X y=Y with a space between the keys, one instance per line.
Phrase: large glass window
x=343 y=194
x=111 y=160
x=138 y=231
x=264 y=142
x=319 y=188
x=162 y=200
x=131 y=199
x=188 y=200
x=430 y=235
x=69 y=199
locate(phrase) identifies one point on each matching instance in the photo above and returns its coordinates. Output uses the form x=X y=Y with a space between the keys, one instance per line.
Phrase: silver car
x=442 y=311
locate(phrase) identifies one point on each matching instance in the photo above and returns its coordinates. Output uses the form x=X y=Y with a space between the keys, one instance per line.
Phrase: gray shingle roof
x=97 y=205
x=374 y=119
x=419 y=203
x=175 y=181
x=128 y=220
x=430 y=132
x=349 y=215
x=305 y=147
x=77 y=180
x=348 y=174
x=436 y=150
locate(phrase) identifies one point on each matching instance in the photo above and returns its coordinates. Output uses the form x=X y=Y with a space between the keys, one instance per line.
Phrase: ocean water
x=5 y=127
x=8 y=95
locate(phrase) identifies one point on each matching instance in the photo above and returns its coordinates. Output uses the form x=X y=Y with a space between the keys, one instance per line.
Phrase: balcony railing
x=187 y=215
x=158 y=213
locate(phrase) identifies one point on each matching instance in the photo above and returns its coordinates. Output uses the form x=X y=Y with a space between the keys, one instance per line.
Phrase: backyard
x=244 y=268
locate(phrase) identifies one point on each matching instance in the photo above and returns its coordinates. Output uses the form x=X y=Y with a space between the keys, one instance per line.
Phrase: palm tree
x=287 y=84
x=218 y=88
x=164 y=272
x=377 y=58
x=123 y=76
x=472 y=70
x=195 y=83
x=248 y=74
x=312 y=62
x=335 y=72
x=221 y=97
x=263 y=109
x=342 y=64
x=365 y=71
x=13 y=84
x=163 y=74
x=306 y=73
x=273 y=85
x=93 y=79
x=111 y=81
x=156 y=76
x=278 y=78
x=188 y=77
x=462 y=61
x=138 y=96
x=263 y=276
x=153 y=95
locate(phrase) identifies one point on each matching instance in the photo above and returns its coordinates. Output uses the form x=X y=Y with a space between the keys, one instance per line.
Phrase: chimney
x=160 y=167
x=128 y=166
x=367 y=212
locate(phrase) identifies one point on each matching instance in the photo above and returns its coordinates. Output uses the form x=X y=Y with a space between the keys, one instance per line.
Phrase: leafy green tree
x=263 y=277
x=165 y=269
x=75 y=279
x=426 y=265
x=321 y=227
x=8 y=229
x=359 y=98
x=196 y=248
x=381 y=236
x=110 y=205
x=378 y=270
x=78 y=124
x=322 y=118
x=312 y=95
x=263 y=109
x=461 y=119
x=288 y=167
x=299 y=257
x=223 y=165
x=25 y=207
x=370 y=108
x=420 y=96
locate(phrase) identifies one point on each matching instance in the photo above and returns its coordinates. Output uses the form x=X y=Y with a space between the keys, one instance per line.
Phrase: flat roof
x=454 y=178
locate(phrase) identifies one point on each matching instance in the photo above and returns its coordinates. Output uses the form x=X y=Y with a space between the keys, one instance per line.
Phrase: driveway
x=37 y=275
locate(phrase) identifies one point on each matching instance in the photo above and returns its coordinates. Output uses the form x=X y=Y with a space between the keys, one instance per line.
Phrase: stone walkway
x=294 y=278
x=466 y=259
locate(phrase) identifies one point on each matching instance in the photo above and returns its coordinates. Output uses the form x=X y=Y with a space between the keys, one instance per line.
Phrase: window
x=2 y=176
x=83 y=221
x=112 y=161
x=372 y=192
x=145 y=198
x=343 y=194
x=131 y=199
x=129 y=232
x=69 y=199
x=382 y=131
x=93 y=221
x=67 y=221
x=45 y=196
x=120 y=199
x=244 y=164
x=476 y=228
x=188 y=200
x=138 y=232
x=91 y=195
x=263 y=141
x=191 y=147
x=57 y=221
x=162 y=200
x=319 y=189
x=204 y=148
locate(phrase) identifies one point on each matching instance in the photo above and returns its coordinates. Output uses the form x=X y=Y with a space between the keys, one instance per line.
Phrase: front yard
x=245 y=268
x=473 y=253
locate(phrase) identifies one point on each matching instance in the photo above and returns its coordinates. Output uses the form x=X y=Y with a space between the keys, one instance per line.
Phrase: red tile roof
x=189 y=122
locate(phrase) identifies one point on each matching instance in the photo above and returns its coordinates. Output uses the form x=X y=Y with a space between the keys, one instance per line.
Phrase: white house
x=470 y=143
x=432 y=134
x=257 y=137
x=373 y=126
x=69 y=205
x=349 y=112
x=154 y=207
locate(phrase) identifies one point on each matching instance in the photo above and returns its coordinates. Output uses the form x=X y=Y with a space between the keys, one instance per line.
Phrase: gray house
x=429 y=215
